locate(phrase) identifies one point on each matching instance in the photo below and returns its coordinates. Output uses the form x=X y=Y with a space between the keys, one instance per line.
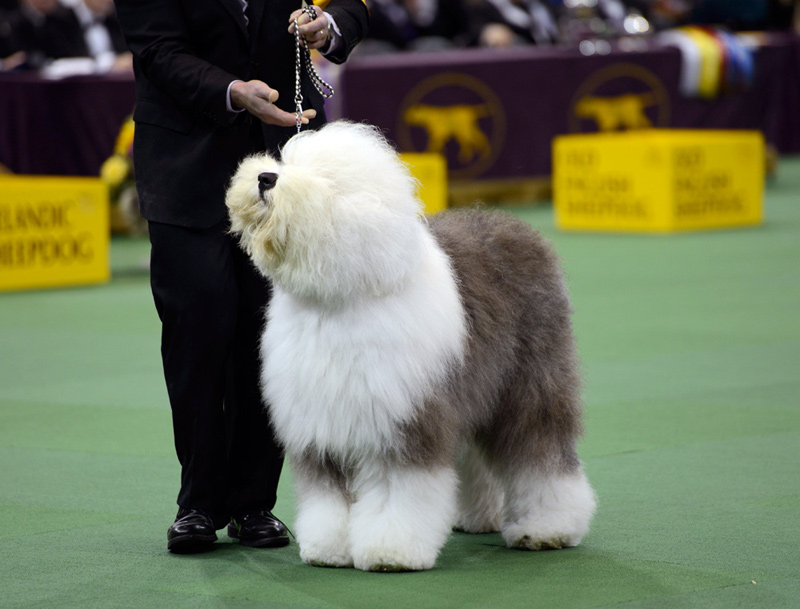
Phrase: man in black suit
x=215 y=84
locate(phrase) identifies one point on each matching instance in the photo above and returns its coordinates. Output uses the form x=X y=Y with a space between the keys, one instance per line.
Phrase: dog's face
x=335 y=217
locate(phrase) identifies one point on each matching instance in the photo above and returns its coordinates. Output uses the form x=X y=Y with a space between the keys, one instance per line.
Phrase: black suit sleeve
x=352 y=19
x=156 y=33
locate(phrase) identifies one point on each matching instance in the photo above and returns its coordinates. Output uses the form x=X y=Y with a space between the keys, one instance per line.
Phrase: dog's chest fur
x=341 y=380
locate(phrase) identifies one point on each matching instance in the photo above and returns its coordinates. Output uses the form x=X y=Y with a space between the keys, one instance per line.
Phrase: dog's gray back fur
x=518 y=394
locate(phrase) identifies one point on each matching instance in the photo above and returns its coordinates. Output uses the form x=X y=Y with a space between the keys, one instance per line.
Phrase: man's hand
x=315 y=32
x=259 y=100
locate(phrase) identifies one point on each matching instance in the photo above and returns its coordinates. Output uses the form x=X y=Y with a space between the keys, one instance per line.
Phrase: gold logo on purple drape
x=456 y=115
x=618 y=97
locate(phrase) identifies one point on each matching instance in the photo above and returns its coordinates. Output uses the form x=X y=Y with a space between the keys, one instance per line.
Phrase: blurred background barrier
x=658 y=180
x=54 y=231
x=430 y=171
x=61 y=127
x=492 y=113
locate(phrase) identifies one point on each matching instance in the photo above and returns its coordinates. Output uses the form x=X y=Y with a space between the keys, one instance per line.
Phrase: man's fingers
x=263 y=91
x=315 y=29
x=303 y=20
x=259 y=99
x=272 y=115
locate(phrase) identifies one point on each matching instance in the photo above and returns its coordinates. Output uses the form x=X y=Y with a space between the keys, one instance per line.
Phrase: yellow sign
x=54 y=231
x=431 y=171
x=658 y=180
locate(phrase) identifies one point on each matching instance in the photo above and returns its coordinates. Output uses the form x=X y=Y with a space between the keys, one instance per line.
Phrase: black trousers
x=212 y=303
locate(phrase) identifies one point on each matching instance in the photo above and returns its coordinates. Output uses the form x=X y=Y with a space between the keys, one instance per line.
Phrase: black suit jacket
x=185 y=54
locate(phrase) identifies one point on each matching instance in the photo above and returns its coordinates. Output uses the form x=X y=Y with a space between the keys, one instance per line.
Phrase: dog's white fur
x=371 y=374
x=365 y=329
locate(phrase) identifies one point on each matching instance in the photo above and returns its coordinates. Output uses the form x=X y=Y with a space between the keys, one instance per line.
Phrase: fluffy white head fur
x=327 y=231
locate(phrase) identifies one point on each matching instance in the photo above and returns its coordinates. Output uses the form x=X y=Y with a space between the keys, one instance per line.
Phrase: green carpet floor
x=691 y=349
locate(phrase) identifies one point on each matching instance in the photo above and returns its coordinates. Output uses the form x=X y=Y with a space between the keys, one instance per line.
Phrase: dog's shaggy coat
x=421 y=373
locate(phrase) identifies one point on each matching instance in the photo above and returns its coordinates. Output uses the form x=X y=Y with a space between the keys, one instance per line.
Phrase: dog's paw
x=325 y=557
x=526 y=542
x=553 y=514
x=544 y=534
x=321 y=529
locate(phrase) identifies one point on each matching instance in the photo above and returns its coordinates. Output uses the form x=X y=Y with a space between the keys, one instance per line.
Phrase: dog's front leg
x=401 y=516
x=323 y=513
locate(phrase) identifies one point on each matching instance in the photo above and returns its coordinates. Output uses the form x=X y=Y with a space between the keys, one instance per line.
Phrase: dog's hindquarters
x=521 y=389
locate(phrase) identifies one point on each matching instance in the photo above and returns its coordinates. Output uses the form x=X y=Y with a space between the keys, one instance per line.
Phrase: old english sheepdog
x=420 y=372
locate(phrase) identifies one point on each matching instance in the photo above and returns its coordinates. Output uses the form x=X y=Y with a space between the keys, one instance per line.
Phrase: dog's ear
x=276 y=233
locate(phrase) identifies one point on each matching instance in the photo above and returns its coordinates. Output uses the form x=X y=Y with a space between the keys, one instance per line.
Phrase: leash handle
x=303 y=58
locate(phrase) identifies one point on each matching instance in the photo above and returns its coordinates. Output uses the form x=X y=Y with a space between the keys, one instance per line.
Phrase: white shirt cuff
x=228 y=103
x=336 y=38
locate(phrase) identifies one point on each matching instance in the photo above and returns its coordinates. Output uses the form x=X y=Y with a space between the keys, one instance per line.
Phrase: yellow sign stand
x=54 y=231
x=431 y=170
x=658 y=180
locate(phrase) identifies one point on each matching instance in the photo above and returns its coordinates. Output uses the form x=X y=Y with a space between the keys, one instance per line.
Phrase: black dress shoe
x=259 y=530
x=193 y=531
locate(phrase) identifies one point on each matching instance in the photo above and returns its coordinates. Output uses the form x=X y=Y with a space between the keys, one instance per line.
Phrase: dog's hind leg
x=549 y=502
x=547 y=510
x=401 y=516
x=323 y=513
x=480 y=493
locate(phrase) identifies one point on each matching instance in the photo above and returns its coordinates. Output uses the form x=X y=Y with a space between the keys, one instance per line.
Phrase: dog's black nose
x=266 y=181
